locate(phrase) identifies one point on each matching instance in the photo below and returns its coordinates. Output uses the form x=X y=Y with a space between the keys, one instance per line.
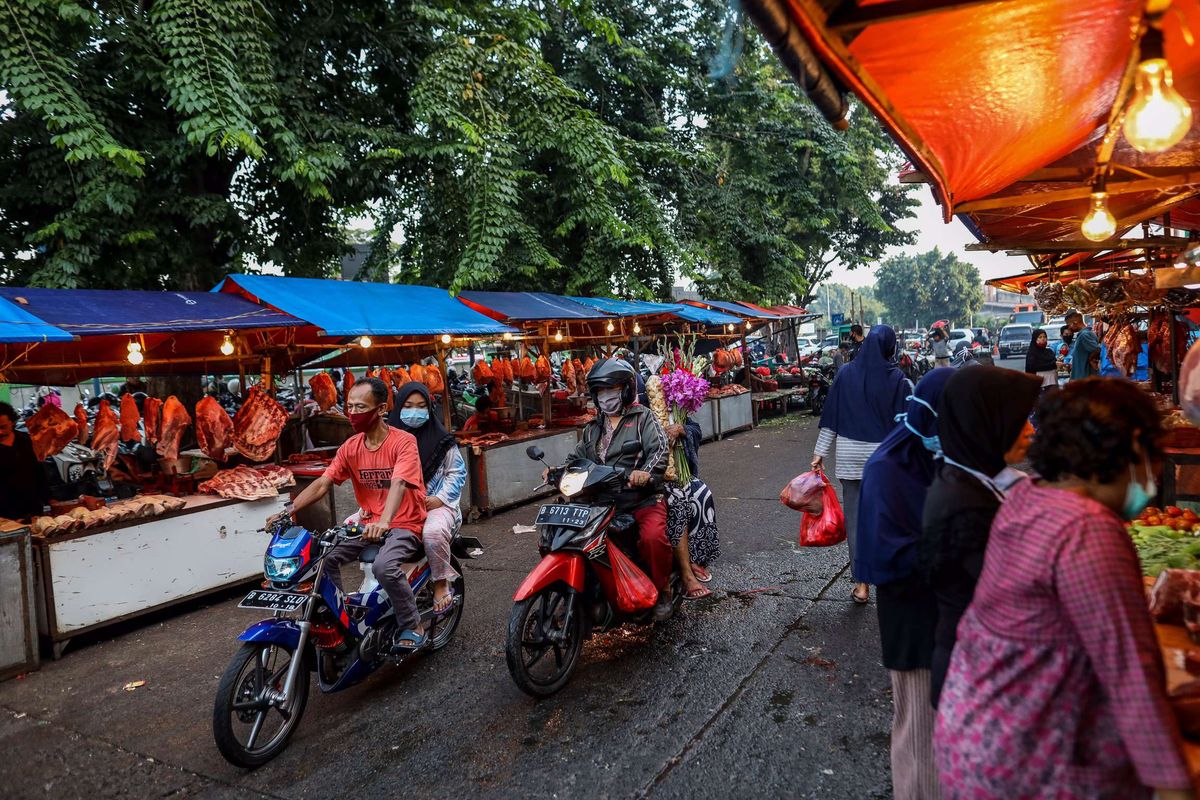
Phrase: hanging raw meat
x=580 y=373
x=1159 y=337
x=129 y=419
x=257 y=426
x=587 y=366
x=51 y=429
x=347 y=384
x=543 y=369
x=323 y=390
x=82 y=422
x=498 y=395
x=568 y=376
x=528 y=373
x=1123 y=346
x=214 y=428
x=386 y=376
x=482 y=373
x=400 y=377
x=434 y=379
x=175 y=421
x=152 y=418
x=105 y=434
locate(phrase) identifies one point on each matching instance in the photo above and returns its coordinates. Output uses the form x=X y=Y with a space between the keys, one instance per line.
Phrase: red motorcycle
x=585 y=583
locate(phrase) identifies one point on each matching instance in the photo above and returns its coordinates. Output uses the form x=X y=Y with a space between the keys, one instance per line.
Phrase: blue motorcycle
x=343 y=638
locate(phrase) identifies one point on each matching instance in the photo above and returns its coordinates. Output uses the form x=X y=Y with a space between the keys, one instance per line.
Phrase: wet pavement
x=771 y=688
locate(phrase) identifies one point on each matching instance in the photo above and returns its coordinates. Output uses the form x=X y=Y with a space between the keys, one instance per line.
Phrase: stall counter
x=501 y=475
x=92 y=578
x=734 y=413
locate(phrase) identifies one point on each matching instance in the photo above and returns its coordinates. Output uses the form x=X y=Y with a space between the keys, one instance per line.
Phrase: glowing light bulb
x=445 y=338
x=729 y=328
x=227 y=347
x=747 y=324
x=508 y=337
x=364 y=341
x=1099 y=224
x=1159 y=116
x=136 y=357
x=637 y=328
x=558 y=336
x=611 y=327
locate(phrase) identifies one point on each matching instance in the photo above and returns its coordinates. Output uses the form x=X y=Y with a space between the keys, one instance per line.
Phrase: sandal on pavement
x=698 y=593
x=861 y=599
x=701 y=573
x=409 y=641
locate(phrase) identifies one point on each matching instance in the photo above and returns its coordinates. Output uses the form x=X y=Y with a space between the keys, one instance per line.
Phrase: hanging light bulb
x=1099 y=224
x=445 y=338
x=227 y=346
x=135 y=356
x=133 y=347
x=729 y=328
x=1158 y=117
x=558 y=336
x=508 y=337
x=611 y=327
x=748 y=325
x=364 y=341
x=637 y=328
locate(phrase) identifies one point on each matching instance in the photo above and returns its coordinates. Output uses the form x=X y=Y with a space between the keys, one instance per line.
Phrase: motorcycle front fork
x=280 y=698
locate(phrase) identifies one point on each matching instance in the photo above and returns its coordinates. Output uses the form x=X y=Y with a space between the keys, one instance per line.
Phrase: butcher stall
x=133 y=521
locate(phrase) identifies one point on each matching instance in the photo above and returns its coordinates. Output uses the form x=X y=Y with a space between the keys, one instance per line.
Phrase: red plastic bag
x=635 y=591
x=826 y=528
x=805 y=492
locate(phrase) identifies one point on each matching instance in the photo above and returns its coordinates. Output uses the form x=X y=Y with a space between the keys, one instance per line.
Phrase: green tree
x=835 y=298
x=927 y=287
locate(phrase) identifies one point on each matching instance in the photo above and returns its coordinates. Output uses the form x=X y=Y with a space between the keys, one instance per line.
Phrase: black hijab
x=1039 y=359
x=433 y=440
x=981 y=412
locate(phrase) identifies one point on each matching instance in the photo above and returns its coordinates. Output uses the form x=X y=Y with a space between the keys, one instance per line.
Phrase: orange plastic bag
x=805 y=493
x=826 y=528
x=635 y=591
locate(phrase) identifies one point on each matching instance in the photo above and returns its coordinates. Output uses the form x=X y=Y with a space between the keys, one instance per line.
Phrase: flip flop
x=409 y=641
x=701 y=573
x=453 y=597
x=699 y=593
x=862 y=601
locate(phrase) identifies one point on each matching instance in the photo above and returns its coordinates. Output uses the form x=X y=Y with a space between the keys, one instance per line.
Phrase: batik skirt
x=691 y=510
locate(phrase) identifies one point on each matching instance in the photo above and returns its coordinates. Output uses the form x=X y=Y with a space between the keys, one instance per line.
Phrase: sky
x=948 y=237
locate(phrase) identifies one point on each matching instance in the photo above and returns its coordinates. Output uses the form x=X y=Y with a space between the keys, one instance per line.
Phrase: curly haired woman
x=1056 y=685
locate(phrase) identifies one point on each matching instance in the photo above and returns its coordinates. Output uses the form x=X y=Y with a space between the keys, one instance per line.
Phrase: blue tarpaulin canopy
x=356 y=308
x=18 y=325
x=530 y=306
x=637 y=308
x=740 y=309
x=96 y=312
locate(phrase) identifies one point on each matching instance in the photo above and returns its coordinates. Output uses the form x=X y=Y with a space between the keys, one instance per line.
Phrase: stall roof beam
x=1081 y=192
x=850 y=17
x=1078 y=245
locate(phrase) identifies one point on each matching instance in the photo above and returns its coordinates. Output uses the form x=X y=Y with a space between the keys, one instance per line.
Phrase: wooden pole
x=547 y=405
x=447 y=395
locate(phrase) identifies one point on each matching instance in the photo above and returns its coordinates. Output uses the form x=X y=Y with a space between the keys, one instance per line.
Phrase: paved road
x=773 y=688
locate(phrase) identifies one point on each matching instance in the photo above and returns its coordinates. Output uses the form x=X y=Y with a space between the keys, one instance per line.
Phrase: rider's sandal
x=409 y=641
x=702 y=574
x=453 y=597
x=699 y=593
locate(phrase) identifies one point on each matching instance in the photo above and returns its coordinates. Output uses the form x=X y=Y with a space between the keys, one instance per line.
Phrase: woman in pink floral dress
x=1056 y=686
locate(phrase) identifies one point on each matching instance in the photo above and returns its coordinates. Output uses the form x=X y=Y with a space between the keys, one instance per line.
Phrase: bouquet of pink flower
x=684 y=394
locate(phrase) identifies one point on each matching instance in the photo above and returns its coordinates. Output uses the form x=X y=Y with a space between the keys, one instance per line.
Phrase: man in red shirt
x=384 y=465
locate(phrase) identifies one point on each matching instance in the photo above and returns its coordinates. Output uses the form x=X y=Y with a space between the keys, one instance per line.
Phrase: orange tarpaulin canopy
x=996 y=100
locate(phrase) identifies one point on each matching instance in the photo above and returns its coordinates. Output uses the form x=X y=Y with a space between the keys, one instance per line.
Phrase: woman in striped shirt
x=860 y=411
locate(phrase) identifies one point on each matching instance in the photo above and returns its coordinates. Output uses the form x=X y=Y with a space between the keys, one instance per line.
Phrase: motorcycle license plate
x=273 y=601
x=566 y=516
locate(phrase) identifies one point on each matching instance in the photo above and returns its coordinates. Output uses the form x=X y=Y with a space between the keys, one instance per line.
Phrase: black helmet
x=613 y=372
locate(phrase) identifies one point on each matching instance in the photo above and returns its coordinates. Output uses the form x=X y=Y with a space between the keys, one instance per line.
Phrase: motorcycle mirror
x=629 y=448
x=534 y=452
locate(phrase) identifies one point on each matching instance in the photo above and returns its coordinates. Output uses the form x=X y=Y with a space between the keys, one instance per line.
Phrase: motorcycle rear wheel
x=255 y=667
x=441 y=631
x=529 y=644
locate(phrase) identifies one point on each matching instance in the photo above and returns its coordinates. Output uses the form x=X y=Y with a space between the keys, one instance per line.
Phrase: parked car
x=1014 y=340
x=982 y=335
x=807 y=345
x=960 y=338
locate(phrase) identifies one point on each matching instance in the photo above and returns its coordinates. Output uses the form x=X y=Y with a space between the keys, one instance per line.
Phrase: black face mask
x=1068 y=337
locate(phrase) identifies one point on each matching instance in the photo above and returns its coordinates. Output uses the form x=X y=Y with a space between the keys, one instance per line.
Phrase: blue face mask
x=1137 y=496
x=931 y=443
x=414 y=417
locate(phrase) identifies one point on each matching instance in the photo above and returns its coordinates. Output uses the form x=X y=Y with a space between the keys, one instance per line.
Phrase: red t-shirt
x=372 y=472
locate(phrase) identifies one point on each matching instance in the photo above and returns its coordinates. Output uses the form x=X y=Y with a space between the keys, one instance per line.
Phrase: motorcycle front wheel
x=818 y=403
x=545 y=635
x=248 y=729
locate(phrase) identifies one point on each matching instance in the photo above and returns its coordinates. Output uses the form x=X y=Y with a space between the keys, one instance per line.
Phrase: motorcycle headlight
x=281 y=569
x=572 y=483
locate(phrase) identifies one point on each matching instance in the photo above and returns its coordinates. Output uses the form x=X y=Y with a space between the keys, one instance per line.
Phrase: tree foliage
x=837 y=298
x=579 y=146
x=927 y=287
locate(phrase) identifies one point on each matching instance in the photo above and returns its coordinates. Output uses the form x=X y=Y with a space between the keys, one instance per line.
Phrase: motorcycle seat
x=368 y=554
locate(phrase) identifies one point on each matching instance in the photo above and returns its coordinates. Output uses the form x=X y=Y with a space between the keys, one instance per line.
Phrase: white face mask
x=609 y=400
